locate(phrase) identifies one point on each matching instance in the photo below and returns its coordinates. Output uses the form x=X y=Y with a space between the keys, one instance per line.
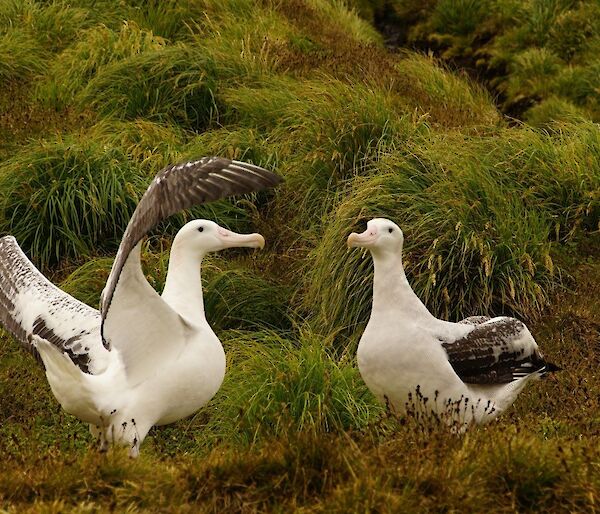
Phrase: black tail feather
x=550 y=368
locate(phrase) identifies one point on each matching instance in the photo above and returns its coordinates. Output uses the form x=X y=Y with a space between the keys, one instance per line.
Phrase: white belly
x=414 y=377
x=188 y=383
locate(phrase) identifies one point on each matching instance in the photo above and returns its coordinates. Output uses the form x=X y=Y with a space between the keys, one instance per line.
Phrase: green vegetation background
x=477 y=133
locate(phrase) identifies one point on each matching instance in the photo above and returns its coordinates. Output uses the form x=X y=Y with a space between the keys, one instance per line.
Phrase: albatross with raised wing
x=142 y=359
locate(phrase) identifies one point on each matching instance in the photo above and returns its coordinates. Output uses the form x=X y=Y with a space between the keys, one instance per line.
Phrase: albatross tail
x=56 y=362
x=68 y=383
x=549 y=367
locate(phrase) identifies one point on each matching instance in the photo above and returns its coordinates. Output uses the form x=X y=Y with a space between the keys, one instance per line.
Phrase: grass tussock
x=340 y=130
x=56 y=24
x=96 y=47
x=67 y=198
x=285 y=385
x=457 y=200
x=53 y=24
x=528 y=52
x=242 y=144
x=553 y=110
x=534 y=457
x=323 y=473
x=150 y=145
x=444 y=97
x=171 y=19
x=87 y=281
x=236 y=296
x=172 y=84
x=21 y=57
x=442 y=243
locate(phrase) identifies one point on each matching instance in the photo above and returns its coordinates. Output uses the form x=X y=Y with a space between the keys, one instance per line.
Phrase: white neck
x=391 y=290
x=183 y=287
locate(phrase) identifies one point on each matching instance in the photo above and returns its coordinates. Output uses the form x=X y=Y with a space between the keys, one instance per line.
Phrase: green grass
x=21 y=56
x=527 y=52
x=292 y=474
x=236 y=295
x=458 y=17
x=244 y=144
x=53 y=24
x=455 y=255
x=460 y=200
x=533 y=458
x=150 y=145
x=172 y=84
x=66 y=198
x=98 y=46
x=446 y=98
x=171 y=19
x=501 y=215
x=553 y=109
x=279 y=385
x=73 y=197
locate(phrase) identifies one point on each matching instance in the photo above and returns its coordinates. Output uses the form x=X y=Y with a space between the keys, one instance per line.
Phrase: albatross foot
x=134 y=450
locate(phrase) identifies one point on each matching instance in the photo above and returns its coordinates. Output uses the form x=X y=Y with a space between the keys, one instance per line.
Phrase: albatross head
x=381 y=236
x=206 y=236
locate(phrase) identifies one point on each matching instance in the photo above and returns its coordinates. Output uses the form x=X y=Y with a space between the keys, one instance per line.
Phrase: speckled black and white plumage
x=33 y=308
x=496 y=351
x=161 y=361
x=474 y=320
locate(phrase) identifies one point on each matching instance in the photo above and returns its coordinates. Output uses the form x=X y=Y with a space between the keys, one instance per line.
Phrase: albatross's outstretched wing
x=496 y=351
x=179 y=187
x=32 y=307
x=135 y=319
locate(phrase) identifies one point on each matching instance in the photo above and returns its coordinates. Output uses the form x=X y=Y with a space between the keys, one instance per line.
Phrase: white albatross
x=142 y=359
x=461 y=373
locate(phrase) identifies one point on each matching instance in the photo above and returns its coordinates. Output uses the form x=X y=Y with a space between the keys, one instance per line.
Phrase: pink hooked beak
x=364 y=239
x=233 y=240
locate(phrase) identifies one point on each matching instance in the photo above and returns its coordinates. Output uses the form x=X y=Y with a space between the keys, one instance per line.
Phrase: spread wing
x=496 y=351
x=179 y=187
x=141 y=326
x=32 y=307
x=135 y=319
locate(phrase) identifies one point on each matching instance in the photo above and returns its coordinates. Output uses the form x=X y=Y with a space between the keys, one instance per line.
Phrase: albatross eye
x=200 y=229
x=390 y=230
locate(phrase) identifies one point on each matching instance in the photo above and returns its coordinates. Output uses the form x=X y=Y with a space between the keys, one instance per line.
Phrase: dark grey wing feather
x=179 y=187
x=496 y=351
x=31 y=308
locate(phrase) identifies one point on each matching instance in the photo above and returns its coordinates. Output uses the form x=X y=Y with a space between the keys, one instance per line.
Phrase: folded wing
x=496 y=351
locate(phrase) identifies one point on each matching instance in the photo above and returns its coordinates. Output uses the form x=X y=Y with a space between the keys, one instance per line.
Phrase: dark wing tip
x=551 y=367
x=270 y=177
x=217 y=177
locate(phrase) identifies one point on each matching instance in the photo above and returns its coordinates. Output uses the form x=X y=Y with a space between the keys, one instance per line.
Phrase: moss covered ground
x=477 y=133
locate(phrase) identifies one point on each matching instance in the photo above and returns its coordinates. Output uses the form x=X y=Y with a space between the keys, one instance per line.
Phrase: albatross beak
x=234 y=240
x=362 y=240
